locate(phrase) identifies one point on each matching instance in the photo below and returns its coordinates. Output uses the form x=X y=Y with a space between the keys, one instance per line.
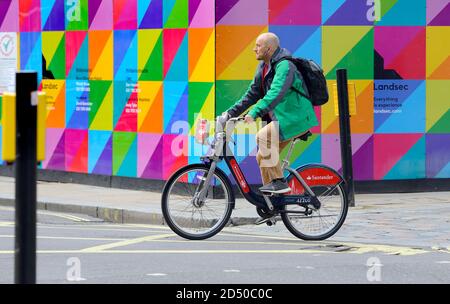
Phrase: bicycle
x=197 y=200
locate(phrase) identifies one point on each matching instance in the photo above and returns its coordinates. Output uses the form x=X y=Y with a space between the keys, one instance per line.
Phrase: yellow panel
x=438 y=48
x=104 y=68
x=41 y=125
x=205 y=68
x=351 y=98
x=9 y=127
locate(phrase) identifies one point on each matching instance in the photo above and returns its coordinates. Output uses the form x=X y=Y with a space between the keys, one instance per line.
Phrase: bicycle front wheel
x=323 y=222
x=189 y=217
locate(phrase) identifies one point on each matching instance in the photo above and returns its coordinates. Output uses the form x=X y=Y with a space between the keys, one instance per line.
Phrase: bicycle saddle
x=304 y=136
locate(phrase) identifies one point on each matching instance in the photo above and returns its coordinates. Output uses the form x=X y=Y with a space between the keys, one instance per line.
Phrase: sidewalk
x=407 y=218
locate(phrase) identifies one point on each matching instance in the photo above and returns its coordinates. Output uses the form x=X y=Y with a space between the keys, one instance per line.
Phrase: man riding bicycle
x=273 y=96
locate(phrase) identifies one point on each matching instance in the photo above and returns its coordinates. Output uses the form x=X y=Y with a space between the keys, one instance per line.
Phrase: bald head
x=266 y=45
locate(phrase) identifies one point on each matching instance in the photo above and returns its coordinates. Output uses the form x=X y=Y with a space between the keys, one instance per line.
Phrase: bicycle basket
x=202 y=132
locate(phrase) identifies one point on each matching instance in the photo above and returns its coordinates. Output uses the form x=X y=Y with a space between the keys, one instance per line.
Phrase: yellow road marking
x=6 y=224
x=126 y=243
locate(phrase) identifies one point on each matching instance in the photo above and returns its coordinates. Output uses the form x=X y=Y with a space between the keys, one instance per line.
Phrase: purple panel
x=93 y=9
x=58 y=160
x=437 y=153
x=193 y=7
x=223 y=7
x=4 y=6
x=251 y=171
x=363 y=161
x=352 y=12
x=153 y=16
x=56 y=19
x=443 y=18
x=154 y=168
x=104 y=163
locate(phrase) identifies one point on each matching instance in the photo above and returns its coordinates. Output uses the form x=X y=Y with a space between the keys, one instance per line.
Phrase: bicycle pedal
x=271 y=222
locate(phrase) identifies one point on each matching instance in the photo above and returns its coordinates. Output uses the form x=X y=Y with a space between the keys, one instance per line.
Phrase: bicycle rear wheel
x=321 y=223
x=188 y=217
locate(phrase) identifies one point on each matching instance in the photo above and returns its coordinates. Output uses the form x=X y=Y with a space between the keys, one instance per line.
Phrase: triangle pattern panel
x=100 y=55
x=172 y=41
x=125 y=14
x=77 y=55
x=101 y=98
x=100 y=13
x=437 y=156
x=231 y=65
x=154 y=167
x=411 y=104
x=239 y=13
x=125 y=154
x=9 y=16
x=443 y=125
x=205 y=112
x=302 y=41
x=345 y=42
x=412 y=163
x=147 y=148
x=362 y=151
x=55 y=150
x=201 y=13
x=443 y=18
x=389 y=149
x=150 y=55
x=178 y=70
x=52 y=13
x=201 y=55
x=330 y=8
x=77 y=98
x=125 y=106
x=30 y=15
x=56 y=103
x=403 y=49
x=299 y=12
x=175 y=148
x=223 y=7
x=100 y=152
x=31 y=51
x=125 y=55
x=437 y=103
x=54 y=52
x=175 y=106
x=77 y=150
x=352 y=12
x=198 y=94
x=150 y=107
x=434 y=8
x=438 y=52
x=175 y=13
x=359 y=61
x=404 y=12
x=150 y=14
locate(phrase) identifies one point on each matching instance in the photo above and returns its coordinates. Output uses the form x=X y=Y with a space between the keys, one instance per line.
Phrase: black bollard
x=346 y=140
x=26 y=172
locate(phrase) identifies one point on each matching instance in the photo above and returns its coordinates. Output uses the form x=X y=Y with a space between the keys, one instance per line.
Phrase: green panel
x=228 y=92
x=123 y=150
x=98 y=91
x=58 y=64
x=442 y=125
x=76 y=14
x=178 y=17
x=198 y=92
x=154 y=65
x=359 y=61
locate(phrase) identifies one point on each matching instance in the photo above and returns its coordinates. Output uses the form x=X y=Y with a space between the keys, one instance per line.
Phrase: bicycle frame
x=261 y=201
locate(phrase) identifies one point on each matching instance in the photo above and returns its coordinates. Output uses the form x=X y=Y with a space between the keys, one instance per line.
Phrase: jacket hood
x=279 y=53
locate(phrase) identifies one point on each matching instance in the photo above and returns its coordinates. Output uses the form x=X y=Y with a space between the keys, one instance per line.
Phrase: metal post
x=344 y=127
x=26 y=171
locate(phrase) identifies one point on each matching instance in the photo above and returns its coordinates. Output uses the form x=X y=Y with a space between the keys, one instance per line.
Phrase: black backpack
x=314 y=79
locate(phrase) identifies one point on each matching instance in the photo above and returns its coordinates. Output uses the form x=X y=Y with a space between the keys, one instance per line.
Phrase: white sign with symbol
x=8 y=61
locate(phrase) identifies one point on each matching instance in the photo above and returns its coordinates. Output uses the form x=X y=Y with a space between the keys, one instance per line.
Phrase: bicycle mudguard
x=314 y=175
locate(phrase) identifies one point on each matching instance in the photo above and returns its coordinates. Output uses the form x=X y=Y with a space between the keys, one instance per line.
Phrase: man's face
x=261 y=49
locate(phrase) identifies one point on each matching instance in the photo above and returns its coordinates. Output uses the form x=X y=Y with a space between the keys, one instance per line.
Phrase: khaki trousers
x=268 y=156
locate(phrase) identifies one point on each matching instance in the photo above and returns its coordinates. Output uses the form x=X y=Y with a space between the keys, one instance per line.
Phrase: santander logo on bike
x=322 y=177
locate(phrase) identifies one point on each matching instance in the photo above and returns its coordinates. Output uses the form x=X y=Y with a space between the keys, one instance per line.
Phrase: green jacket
x=276 y=100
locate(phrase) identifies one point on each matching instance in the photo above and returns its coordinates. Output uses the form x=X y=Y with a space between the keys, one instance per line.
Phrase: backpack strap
x=290 y=58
